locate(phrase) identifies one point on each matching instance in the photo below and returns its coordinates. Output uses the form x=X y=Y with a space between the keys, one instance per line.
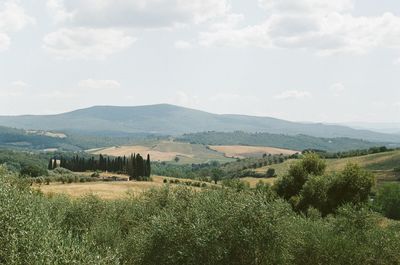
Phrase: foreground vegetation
x=230 y=224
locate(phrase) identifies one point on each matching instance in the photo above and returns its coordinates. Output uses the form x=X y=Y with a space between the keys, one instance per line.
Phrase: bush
x=291 y=184
x=180 y=226
x=33 y=171
x=387 y=200
x=270 y=173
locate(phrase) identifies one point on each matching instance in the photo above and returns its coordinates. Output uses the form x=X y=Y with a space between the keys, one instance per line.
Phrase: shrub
x=270 y=173
x=387 y=200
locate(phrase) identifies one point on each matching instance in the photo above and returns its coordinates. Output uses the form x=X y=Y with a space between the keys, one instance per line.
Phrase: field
x=242 y=151
x=167 y=151
x=109 y=190
x=254 y=181
x=190 y=153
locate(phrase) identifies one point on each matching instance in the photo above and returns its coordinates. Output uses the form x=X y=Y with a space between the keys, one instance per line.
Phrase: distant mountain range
x=173 y=120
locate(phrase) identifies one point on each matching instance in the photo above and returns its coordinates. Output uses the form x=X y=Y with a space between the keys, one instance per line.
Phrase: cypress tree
x=50 y=165
x=148 y=166
x=54 y=163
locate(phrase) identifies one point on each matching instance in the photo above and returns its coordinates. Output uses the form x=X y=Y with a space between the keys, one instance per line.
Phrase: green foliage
x=387 y=200
x=33 y=171
x=180 y=226
x=291 y=184
x=270 y=173
x=306 y=185
x=352 y=185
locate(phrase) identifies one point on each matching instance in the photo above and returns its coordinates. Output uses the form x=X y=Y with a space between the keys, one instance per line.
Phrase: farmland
x=190 y=153
x=107 y=190
x=167 y=151
x=241 y=151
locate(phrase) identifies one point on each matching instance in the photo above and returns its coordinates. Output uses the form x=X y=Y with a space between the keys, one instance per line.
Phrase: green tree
x=387 y=200
x=291 y=184
x=270 y=173
x=148 y=166
x=217 y=174
x=353 y=185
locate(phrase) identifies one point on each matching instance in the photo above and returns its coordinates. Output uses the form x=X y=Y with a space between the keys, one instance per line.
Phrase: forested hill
x=19 y=139
x=297 y=142
x=173 y=120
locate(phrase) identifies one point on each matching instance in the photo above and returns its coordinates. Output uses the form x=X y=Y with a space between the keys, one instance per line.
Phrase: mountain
x=174 y=120
x=392 y=128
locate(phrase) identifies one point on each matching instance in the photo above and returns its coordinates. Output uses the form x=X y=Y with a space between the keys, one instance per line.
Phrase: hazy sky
x=307 y=60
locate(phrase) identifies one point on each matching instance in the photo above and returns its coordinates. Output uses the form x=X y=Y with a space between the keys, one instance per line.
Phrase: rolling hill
x=383 y=165
x=173 y=120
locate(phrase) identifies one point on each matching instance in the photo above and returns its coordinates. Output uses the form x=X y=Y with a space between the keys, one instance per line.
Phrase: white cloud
x=136 y=13
x=293 y=94
x=184 y=45
x=337 y=89
x=12 y=19
x=323 y=26
x=86 y=43
x=99 y=84
x=19 y=83
x=307 y=6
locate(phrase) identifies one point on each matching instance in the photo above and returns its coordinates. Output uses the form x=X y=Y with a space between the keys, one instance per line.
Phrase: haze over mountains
x=174 y=120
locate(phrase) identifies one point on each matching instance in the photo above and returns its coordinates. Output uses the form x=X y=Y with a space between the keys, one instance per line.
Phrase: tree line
x=135 y=166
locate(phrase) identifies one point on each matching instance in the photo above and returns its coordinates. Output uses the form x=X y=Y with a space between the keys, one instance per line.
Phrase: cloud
x=323 y=26
x=136 y=13
x=307 y=6
x=86 y=43
x=99 y=84
x=19 y=83
x=293 y=94
x=337 y=89
x=12 y=19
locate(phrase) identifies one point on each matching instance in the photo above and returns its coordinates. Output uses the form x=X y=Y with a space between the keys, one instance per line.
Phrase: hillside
x=381 y=164
x=173 y=120
x=20 y=139
x=294 y=142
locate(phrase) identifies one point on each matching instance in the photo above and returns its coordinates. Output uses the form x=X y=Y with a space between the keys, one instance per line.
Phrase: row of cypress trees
x=135 y=166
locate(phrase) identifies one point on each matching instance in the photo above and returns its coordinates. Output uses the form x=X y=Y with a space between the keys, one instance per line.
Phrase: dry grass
x=108 y=190
x=144 y=150
x=242 y=151
x=253 y=181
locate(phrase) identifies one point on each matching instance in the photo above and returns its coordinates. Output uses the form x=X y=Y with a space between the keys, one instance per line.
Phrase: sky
x=301 y=60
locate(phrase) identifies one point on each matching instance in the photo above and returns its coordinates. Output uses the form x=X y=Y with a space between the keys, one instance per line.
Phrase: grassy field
x=110 y=190
x=242 y=151
x=167 y=151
